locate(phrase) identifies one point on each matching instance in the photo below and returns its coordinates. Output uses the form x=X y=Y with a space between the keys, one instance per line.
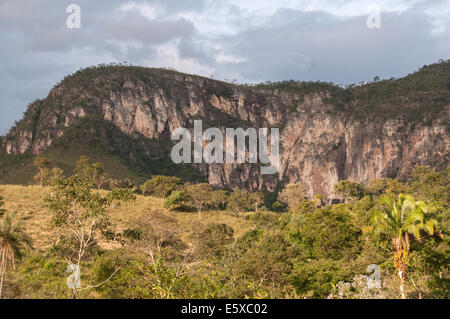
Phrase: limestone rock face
x=320 y=143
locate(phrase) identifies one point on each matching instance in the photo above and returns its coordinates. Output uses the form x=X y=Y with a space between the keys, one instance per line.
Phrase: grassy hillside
x=123 y=156
x=27 y=201
x=64 y=158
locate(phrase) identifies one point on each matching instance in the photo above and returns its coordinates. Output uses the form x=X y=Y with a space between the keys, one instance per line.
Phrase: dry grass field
x=28 y=203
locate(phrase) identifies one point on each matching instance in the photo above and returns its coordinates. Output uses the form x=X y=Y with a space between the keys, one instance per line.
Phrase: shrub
x=213 y=241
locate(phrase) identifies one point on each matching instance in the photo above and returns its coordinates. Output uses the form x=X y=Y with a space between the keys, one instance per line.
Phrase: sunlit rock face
x=320 y=143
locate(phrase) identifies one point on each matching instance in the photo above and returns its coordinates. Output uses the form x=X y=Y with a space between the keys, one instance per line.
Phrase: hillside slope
x=327 y=133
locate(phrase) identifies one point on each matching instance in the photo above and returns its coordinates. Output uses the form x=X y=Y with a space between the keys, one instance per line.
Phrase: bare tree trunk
x=3 y=270
x=402 y=284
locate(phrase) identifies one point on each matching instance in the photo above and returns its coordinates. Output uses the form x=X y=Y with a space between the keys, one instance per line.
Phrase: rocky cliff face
x=326 y=133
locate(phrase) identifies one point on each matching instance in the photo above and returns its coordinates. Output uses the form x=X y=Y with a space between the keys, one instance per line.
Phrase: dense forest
x=170 y=239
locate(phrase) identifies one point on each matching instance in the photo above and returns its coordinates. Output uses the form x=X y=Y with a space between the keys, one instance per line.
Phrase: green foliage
x=385 y=185
x=304 y=207
x=38 y=276
x=276 y=253
x=418 y=97
x=213 y=241
x=398 y=217
x=43 y=165
x=312 y=251
x=432 y=185
x=326 y=233
x=292 y=194
x=219 y=199
x=121 y=183
x=93 y=172
x=240 y=200
x=99 y=175
x=199 y=195
x=348 y=189
x=177 y=200
x=157 y=235
x=264 y=220
x=278 y=207
x=161 y=186
x=248 y=239
x=12 y=242
x=316 y=278
x=81 y=214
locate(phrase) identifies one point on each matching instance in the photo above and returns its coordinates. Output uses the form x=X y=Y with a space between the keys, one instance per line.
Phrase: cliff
x=327 y=133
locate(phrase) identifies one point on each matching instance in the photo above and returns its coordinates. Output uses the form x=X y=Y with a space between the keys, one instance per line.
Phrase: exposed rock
x=320 y=144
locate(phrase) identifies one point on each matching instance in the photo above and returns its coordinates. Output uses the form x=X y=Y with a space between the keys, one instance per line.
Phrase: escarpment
x=327 y=133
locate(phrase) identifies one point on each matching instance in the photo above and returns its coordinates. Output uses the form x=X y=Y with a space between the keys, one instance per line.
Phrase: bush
x=161 y=186
x=239 y=201
x=177 y=200
x=327 y=233
x=213 y=241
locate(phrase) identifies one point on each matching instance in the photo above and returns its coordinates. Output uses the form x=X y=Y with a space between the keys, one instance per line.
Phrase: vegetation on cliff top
x=419 y=96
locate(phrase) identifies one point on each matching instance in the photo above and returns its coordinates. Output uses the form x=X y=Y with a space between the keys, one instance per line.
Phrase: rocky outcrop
x=321 y=139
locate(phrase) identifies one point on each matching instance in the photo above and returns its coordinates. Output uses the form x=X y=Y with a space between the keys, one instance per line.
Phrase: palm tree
x=12 y=241
x=398 y=219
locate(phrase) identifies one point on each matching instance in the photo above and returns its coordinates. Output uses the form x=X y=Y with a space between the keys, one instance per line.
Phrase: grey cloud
x=136 y=27
x=38 y=50
x=317 y=46
x=172 y=6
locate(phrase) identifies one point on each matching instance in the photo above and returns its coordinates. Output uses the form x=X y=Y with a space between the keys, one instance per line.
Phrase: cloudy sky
x=247 y=40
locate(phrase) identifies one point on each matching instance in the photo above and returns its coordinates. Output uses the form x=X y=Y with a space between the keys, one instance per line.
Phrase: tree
x=82 y=216
x=219 y=199
x=348 y=189
x=43 y=166
x=84 y=168
x=161 y=186
x=326 y=232
x=213 y=240
x=56 y=173
x=385 y=185
x=99 y=176
x=398 y=219
x=318 y=200
x=156 y=235
x=257 y=198
x=121 y=183
x=266 y=263
x=292 y=194
x=239 y=201
x=199 y=195
x=93 y=172
x=432 y=185
x=176 y=200
x=12 y=241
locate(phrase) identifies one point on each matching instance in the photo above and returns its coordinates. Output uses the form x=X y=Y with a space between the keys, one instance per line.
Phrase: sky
x=248 y=41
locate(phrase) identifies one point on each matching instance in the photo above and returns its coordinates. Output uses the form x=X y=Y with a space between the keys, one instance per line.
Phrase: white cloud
x=147 y=10
x=222 y=57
